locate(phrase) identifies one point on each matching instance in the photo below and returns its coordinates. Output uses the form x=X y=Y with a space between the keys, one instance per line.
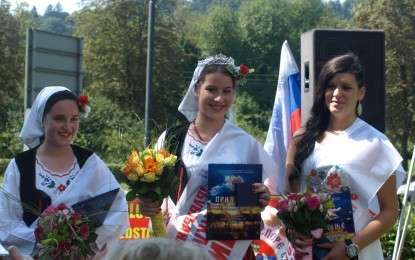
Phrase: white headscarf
x=189 y=105
x=32 y=129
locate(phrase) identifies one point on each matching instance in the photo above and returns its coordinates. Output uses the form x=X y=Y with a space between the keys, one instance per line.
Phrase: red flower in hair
x=243 y=69
x=83 y=100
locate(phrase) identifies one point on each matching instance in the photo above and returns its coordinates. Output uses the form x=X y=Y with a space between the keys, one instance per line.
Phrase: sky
x=67 y=5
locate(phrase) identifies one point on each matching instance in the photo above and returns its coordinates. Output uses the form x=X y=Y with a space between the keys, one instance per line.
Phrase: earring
x=359 y=108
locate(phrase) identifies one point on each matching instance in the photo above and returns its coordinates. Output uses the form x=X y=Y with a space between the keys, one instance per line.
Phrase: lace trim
x=63 y=174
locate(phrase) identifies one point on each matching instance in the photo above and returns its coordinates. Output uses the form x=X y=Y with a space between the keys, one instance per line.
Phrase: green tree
x=115 y=45
x=109 y=131
x=11 y=64
x=397 y=19
x=219 y=32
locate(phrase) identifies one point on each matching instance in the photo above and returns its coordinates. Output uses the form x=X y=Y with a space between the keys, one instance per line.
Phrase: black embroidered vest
x=34 y=200
x=174 y=141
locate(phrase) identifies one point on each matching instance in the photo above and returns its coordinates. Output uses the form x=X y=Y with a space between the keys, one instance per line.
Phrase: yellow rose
x=149 y=177
x=160 y=168
x=139 y=169
x=132 y=177
x=171 y=160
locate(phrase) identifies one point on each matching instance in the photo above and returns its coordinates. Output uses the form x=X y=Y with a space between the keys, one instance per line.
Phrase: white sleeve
x=116 y=221
x=13 y=230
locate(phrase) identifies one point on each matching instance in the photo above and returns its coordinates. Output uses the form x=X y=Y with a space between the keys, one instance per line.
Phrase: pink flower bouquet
x=305 y=212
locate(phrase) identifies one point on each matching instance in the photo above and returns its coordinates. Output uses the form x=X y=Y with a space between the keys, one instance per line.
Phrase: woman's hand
x=16 y=255
x=148 y=207
x=263 y=193
x=337 y=252
x=299 y=242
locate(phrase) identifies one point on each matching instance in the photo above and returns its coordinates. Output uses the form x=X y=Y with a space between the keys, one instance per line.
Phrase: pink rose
x=294 y=196
x=313 y=202
x=282 y=205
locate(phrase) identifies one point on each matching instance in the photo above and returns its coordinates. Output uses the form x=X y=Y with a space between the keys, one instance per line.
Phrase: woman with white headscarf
x=53 y=171
x=209 y=137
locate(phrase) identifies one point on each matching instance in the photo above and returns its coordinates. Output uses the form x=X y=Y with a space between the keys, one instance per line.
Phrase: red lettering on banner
x=196 y=206
x=222 y=249
x=200 y=235
x=202 y=226
x=181 y=235
x=199 y=201
x=187 y=222
x=200 y=239
x=185 y=228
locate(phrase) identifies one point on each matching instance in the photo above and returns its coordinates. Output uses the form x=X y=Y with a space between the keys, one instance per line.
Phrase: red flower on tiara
x=244 y=70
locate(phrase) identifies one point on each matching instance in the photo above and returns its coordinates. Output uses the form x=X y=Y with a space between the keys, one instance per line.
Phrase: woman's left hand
x=263 y=193
x=337 y=252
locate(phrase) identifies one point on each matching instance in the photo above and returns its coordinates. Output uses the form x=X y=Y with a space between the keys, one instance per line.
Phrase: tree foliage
x=115 y=44
x=219 y=32
x=11 y=64
x=397 y=19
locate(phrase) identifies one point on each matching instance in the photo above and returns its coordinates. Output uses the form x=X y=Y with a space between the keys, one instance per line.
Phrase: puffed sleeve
x=13 y=230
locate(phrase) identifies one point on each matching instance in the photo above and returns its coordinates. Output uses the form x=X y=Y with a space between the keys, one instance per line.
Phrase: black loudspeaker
x=320 y=45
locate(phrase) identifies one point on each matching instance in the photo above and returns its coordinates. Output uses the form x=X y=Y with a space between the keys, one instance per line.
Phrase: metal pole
x=150 y=33
x=401 y=231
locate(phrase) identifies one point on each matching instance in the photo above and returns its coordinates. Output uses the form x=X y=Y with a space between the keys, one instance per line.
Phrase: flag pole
x=149 y=72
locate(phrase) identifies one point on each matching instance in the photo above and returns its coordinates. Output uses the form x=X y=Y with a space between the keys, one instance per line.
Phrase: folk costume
x=188 y=205
x=361 y=157
x=28 y=184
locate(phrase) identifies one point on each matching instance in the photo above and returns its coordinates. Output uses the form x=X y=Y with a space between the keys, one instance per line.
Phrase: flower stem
x=157 y=222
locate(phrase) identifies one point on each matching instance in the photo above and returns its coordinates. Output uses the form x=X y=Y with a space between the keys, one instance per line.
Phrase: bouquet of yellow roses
x=150 y=174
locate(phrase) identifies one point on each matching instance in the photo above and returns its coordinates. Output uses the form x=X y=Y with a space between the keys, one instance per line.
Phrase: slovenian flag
x=286 y=114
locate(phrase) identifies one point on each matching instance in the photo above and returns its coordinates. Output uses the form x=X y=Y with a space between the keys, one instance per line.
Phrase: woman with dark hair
x=209 y=137
x=53 y=171
x=336 y=145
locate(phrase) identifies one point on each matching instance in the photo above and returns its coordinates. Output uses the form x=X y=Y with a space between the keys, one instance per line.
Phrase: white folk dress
x=188 y=219
x=368 y=159
x=78 y=184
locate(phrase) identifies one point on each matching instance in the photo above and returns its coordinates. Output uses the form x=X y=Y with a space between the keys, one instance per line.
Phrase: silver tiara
x=219 y=59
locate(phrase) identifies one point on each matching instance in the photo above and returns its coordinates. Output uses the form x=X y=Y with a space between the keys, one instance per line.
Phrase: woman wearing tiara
x=209 y=137
x=53 y=171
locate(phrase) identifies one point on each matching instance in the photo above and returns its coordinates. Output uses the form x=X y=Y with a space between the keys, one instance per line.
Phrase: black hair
x=318 y=122
x=58 y=96
x=221 y=68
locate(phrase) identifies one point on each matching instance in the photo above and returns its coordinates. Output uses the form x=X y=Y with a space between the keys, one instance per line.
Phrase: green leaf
x=130 y=195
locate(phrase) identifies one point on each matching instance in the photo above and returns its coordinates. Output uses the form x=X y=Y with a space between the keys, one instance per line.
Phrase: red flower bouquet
x=62 y=233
